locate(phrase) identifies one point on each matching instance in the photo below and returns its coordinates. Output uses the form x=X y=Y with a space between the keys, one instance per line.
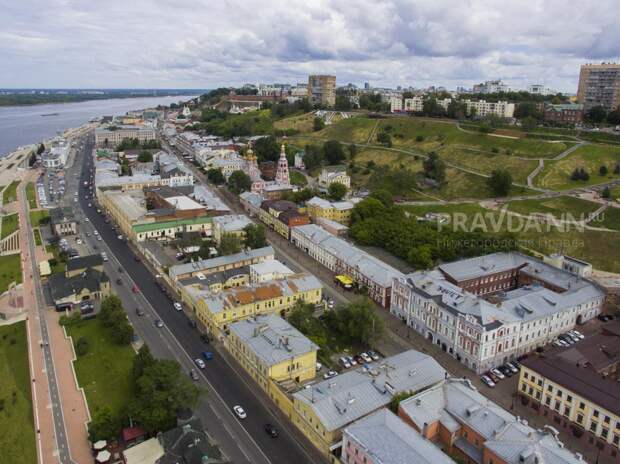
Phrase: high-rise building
x=322 y=90
x=599 y=85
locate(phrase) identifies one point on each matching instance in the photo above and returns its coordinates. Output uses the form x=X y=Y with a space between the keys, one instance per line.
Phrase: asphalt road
x=242 y=440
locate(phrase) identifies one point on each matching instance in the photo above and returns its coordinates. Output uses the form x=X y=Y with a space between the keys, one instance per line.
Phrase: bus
x=344 y=281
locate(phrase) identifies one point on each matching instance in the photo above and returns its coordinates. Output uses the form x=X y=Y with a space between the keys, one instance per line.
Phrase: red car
x=135 y=289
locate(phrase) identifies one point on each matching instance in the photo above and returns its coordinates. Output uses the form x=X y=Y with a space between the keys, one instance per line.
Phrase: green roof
x=149 y=226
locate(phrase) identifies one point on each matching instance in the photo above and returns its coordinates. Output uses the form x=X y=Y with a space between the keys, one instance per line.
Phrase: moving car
x=177 y=306
x=238 y=410
x=159 y=324
x=135 y=289
x=119 y=282
x=139 y=312
x=207 y=355
x=271 y=431
x=200 y=363
x=487 y=381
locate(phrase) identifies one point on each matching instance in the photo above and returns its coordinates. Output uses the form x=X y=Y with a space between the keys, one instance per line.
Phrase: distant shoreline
x=27 y=100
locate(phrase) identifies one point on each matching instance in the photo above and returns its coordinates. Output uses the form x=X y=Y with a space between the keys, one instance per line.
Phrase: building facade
x=322 y=90
x=599 y=85
x=481 y=108
x=113 y=135
x=570 y=113
x=339 y=211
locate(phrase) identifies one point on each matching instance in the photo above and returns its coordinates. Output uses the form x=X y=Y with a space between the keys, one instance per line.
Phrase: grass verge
x=10 y=271
x=31 y=195
x=10 y=224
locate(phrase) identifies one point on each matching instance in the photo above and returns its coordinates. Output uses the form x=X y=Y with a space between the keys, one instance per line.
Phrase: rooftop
x=83 y=262
x=232 y=222
x=270 y=266
x=272 y=339
x=204 y=264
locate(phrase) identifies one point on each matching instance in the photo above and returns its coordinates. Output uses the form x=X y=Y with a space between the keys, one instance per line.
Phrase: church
x=272 y=190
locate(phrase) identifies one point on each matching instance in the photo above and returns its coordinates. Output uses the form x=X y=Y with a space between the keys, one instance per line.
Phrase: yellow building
x=339 y=211
x=232 y=224
x=218 y=310
x=269 y=348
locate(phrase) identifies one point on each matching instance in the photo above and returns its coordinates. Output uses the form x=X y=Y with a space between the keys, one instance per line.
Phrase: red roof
x=132 y=433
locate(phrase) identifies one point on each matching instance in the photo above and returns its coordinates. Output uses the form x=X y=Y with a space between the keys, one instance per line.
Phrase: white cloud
x=206 y=43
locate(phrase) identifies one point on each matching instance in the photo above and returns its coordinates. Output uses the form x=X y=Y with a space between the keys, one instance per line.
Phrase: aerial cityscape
x=310 y=232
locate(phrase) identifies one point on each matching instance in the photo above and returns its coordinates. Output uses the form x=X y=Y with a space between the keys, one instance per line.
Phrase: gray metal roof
x=352 y=395
x=388 y=440
x=203 y=264
x=272 y=339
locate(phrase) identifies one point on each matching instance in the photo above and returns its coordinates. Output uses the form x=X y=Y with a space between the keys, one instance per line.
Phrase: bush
x=603 y=170
x=419 y=138
x=494 y=150
x=81 y=347
x=72 y=319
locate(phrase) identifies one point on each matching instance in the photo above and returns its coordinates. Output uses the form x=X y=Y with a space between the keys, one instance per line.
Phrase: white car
x=365 y=357
x=178 y=306
x=200 y=363
x=79 y=241
x=98 y=238
x=87 y=220
x=329 y=374
x=499 y=374
x=487 y=380
x=576 y=333
x=239 y=412
x=345 y=362
x=95 y=232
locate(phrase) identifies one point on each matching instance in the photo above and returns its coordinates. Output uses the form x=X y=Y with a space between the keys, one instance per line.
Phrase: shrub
x=419 y=138
x=81 y=347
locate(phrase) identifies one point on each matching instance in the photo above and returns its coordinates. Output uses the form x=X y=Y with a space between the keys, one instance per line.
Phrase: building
x=228 y=161
x=396 y=104
x=62 y=222
x=334 y=174
x=322 y=90
x=218 y=310
x=251 y=202
x=270 y=348
x=414 y=104
x=271 y=190
x=577 y=389
x=481 y=108
x=231 y=224
x=83 y=279
x=488 y=310
x=342 y=258
x=211 y=202
x=281 y=216
x=113 y=135
x=221 y=263
x=172 y=170
x=491 y=87
x=339 y=211
x=56 y=154
x=323 y=409
x=189 y=443
x=569 y=113
x=599 y=85
x=473 y=429
x=539 y=89
x=383 y=438
x=267 y=270
x=333 y=227
x=575 y=266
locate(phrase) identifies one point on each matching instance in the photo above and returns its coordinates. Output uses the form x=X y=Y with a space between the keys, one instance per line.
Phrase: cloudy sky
x=208 y=43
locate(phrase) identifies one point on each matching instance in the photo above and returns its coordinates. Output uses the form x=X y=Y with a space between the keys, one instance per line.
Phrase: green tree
x=255 y=236
x=267 y=149
x=596 y=115
x=352 y=151
x=434 y=167
x=313 y=157
x=528 y=110
x=606 y=193
x=614 y=117
x=500 y=182
x=334 y=154
x=343 y=103
x=421 y=257
x=122 y=332
x=142 y=360
x=145 y=156
x=239 y=182
x=603 y=170
x=528 y=124
x=383 y=196
x=384 y=139
x=318 y=124
x=336 y=191
x=111 y=310
x=103 y=426
x=229 y=244
x=367 y=208
x=161 y=391
x=356 y=322
x=40 y=149
x=215 y=176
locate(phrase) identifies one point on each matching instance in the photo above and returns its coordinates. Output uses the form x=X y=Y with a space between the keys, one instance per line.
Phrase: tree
x=81 y=347
x=267 y=149
x=111 y=310
x=365 y=209
x=528 y=124
x=606 y=193
x=255 y=236
x=239 y=182
x=161 y=391
x=596 y=115
x=103 y=426
x=421 y=257
x=318 y=124
x=500 y=182
x=617 y=169
x=383 y=196
x=336 y=191
x=356 y=322
x=527 y=110
x=434 y=167
x=145 y=156
x=385 y=139
x=614 y=117
x=215 y=176
x=333 y=151
x=430 y=107
x=229 y=244
x=141 y=361
x=580 y=174
x=456 y=110
x=603 y=170
x=342 y=103
x=122 y=333
x=313 y=157
x=352 y=151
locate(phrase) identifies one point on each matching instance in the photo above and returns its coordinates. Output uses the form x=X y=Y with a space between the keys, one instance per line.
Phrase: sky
x=211 y=43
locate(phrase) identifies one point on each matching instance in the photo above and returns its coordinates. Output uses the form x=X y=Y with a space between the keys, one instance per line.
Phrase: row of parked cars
x=569 y=338
x=493 y=376
x=361 y=359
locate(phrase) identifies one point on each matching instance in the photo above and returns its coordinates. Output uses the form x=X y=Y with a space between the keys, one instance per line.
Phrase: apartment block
x=339 y=211
x=113 y=135
x=599 y=85
x=322 y=90
x=334 y=174
x=281 y=216
x=482 y=108
x=488 y=310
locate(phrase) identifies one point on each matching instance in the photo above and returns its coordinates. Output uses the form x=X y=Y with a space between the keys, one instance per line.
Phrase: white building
x=228 y=161
x=482 y=108
x=334 y=174
x=396 y=104
x=539 y=89
x=491 y=87
x=56 y=155
x=113 y=135
x=268 y=270
x=488 y=310
x=414 y=104
x=173 y=171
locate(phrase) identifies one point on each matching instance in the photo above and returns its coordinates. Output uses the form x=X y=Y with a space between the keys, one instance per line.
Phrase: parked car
x=492 y=376
x=205 y=338
x=200 y=363
x=373 y=355
x=352 y=361
x=207 y=355
x=194 y=374
x=159 y=324
x=139 y=312
x=578 y=334
x=238 y=410
x=344 y=362
x=329 y=374
x=568 y=339
x=319 y=366
x=514 y=366
x=271 y=431
x=358 y=359
x=366 y=357
x=498 y=373
x=177 y=306
x=507 y=371
x=487 y=381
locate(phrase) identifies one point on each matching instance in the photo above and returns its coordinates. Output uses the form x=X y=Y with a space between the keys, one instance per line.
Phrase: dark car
x=506 y=371
x=205 y=338
x=119 y=282
x=139 y=312
x=271 y=430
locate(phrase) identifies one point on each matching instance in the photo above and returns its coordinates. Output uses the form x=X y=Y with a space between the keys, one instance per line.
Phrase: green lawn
x=349 y=130
x=37 y=216
x=17 y=440
x=302 y=123
x=610 y=219
x=37 y=237
x=31 y=195
x=578 y=208
x=10 y=271
x=10 y=224
x=297 y=178
x=105 y=371
x=10 y=193
x=556 y=174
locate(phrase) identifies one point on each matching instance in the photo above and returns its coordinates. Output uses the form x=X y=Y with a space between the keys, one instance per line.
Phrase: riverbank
x=46 y=99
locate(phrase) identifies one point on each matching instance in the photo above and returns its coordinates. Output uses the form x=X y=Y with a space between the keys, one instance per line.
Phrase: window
x=580 y=418
x=549 y=388
x=593 y=426
x=582 y=405
x=604 y=433
x=595 y=413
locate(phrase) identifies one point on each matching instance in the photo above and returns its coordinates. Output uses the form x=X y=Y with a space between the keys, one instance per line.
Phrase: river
x=22 y=125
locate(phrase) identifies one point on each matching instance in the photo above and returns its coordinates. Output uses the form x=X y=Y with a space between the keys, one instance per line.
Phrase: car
x=604 y=317
x=200 y=363
x=90 y=205
x=87 y=220
x=88 y=234
x=178 y=306
x=567 y=339
x=578 y=334
x=498 y=373
x=573 y=337
x=75 y=200
x=358 y=359
x=373 y=355
x=194 y=374
x=486 y=380
x=159 y=324
x=139 y=312
x=240 y=413
x=352 y=361
x=513 y=366
x=120 y=237
x=119 y=282
x=365 y=357
x=192 y=323
x=506 y=370
x=559 y=343
x=95 y=232
x=205 y=338
x=492 y=376
x=344 y=362
x=271 y=431
x=207 y=355
x=319 y=366
x=329 y=374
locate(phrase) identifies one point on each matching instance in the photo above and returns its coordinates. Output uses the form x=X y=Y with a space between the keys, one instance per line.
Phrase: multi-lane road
x=243 y=441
